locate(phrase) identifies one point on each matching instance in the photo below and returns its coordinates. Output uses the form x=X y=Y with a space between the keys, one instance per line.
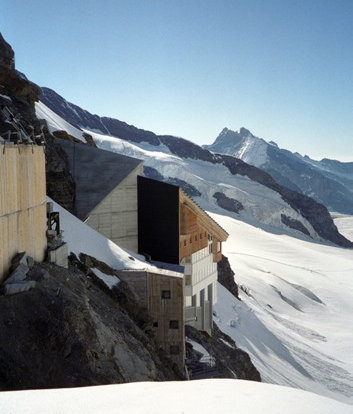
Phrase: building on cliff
x=174 y=229
x=157 y=220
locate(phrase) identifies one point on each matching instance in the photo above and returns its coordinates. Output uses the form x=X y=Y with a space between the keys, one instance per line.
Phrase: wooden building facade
x=174 y=229
x=162 y=294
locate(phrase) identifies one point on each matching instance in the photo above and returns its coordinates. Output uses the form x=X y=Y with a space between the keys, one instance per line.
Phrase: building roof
x=96 y=173
x=204 y=218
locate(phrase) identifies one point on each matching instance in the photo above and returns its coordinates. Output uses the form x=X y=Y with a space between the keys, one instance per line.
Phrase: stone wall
x=22 y=203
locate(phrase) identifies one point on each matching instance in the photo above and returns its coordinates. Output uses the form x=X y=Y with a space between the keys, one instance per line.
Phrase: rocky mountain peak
x=7 y=55
x=244 y=133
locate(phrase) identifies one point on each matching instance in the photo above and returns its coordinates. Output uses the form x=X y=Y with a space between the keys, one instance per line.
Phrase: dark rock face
x=89 y=140
x=189 y=189
x=294 y=224
x=60 y=183
x=316 y=214
x=185 y=149
x=12 y=82
x=229 y=204
x=67 y=332
x=152 y=173
x=226 y=276
x=230 y=361
x=66 y=136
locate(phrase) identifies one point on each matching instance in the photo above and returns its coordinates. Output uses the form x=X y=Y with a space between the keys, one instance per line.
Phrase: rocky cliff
x=68 y=332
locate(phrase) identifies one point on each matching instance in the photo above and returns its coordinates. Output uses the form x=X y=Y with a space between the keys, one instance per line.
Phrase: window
x=155 y=324
x=166 y=294
x=210 y=248
x=190 y=239
x=174 y=324
x=174 y=349
x=195 y=238
x=187 y=280
x=219 y=247
x=200 y=236
x=184 y=242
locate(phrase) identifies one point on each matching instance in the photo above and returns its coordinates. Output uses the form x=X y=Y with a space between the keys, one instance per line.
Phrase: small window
x=174 y=324
x=184 y=242
x=155 y=324
x=166 y=294
x=200 y=235
x=190 y=239
x=174 y=349
x=195 y=238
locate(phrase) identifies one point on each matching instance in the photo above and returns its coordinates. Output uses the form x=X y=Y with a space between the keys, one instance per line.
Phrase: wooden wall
x=22 y=203
x=165 y=310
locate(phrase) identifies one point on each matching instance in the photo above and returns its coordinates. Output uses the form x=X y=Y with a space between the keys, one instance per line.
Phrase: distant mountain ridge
x=329 y=182
x=300 y=205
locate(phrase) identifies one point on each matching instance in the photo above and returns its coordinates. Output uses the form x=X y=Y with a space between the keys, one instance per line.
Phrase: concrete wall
x=22 y=203
x=116 y=216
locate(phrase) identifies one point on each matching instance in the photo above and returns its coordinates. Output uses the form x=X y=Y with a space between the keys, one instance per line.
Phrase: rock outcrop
x=68 y=332
x=226 y=276
x=227 y=359
x=294 y=224
x=227 y=203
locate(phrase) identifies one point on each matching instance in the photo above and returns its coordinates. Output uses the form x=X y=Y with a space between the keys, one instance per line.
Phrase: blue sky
x=281 y=68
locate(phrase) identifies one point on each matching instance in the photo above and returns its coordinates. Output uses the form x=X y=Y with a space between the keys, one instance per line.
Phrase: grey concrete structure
x=59 y=256
x=106 y=191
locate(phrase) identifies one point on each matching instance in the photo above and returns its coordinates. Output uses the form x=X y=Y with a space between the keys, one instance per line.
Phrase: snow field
x=295 y=319
x=188 y=397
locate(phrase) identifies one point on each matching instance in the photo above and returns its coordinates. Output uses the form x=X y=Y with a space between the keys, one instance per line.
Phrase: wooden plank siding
x=168 y=311
x=148 y=288
x=22 y=203
x=195 y=228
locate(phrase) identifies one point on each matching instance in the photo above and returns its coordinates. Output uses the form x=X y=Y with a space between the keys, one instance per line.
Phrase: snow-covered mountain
x=329 y=182
x=220 y=183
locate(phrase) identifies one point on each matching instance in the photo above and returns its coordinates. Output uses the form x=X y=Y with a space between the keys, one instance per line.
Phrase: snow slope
x=260 y=203
x=83 y=239
x=344 y=224
x=55 y=122
x=296 y=314
x=188 y=397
